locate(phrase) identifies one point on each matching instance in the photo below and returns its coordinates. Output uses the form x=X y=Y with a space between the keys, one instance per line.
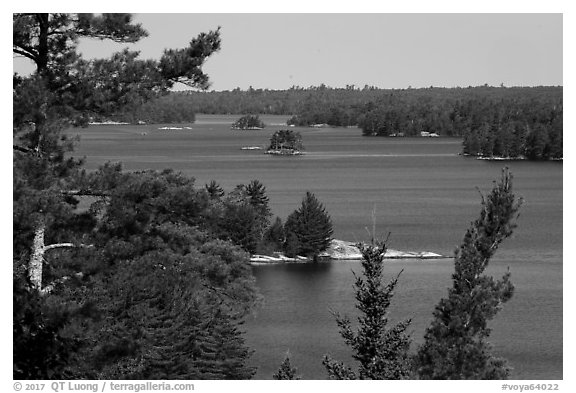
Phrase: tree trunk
x=36 y=263
x=37 y=259
x=42 y=58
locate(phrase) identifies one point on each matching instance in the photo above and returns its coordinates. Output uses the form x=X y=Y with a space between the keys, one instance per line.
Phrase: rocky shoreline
x=342 y=250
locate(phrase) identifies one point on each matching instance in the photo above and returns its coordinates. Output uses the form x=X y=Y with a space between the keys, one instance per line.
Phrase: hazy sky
x=277 y=51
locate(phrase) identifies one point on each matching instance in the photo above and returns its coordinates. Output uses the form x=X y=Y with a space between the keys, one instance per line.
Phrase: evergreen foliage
x=214 y=190
x=39 y=349
x=242 y=216
x=308 y=229
x=494 y=121
x=248 y=122
x=169 y=108
x=286 y=371
x=275 y=235
x=380 y=350
x=158 y=298
x=256 y=193
x=136 y=285
x=455 y=345
x=286 y=142
x=241 y=224
x=176 y=314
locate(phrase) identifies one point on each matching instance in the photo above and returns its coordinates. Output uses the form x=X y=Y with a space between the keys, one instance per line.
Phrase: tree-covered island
x=285 y=143
x=248 y=122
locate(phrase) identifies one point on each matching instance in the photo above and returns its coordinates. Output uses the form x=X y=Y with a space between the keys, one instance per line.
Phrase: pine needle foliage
x=286 y=370
x=455 y=345
x=381 y=350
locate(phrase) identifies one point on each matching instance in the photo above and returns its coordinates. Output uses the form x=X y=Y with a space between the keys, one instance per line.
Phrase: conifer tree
x=241 y=224
x=214 y=190
x=39 y=349
x=170 y=297
x=286 y=371
x=274 y=235
x=66 y=89
x=286 y=141
x=308 y=229
x=150 y=288
x=256 y=193
x=248 y=122
x=245 y=215
x=380 y=350
x=455 y=344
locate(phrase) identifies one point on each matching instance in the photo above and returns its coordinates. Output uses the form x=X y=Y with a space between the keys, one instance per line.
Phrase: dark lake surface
x=422 y=192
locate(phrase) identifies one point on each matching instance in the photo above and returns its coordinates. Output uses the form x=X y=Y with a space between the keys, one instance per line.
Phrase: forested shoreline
x=145 y=275
x=510 y=122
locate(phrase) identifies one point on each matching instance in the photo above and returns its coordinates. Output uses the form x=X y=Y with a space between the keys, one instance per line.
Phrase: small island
x=285 y=143
x=340 y=250
x=248 y=122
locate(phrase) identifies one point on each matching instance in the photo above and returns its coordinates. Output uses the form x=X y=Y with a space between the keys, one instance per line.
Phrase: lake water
x=421 y=191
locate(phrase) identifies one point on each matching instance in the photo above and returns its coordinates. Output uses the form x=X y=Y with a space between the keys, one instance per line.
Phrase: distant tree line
x=276 y=102
x=170 y=108
x=533 y=138
x=514 y=123
x=494 y=121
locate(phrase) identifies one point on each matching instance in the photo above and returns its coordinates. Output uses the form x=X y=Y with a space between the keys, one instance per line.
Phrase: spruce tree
x=455 y=344
x=308 y=229
x=380 y=350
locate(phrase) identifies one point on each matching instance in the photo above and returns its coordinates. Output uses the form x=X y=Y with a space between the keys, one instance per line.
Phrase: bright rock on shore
x=343 y=250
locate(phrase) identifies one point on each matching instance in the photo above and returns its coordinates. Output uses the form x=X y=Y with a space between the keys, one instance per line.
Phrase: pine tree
x=455 y=345
x=286 y=371
x=310 y=227
x=40 y=351
x=65 y=90
x=256 y=193
x=381 y=351
x=214 y=190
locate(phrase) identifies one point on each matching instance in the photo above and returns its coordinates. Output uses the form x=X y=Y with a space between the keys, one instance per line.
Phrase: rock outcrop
x=343 y=250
